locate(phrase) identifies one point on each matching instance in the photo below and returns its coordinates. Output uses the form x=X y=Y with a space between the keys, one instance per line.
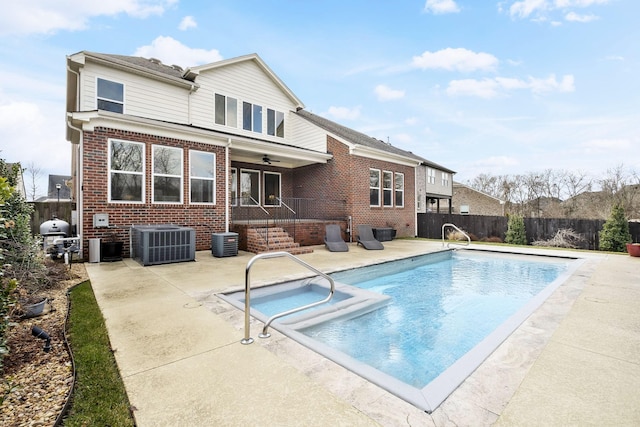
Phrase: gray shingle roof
x=151 y=65
x=360 y=138
x=354 y=136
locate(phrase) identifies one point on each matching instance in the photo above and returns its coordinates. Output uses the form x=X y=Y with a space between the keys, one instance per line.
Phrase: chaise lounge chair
x=366 y=239
x=333 y=239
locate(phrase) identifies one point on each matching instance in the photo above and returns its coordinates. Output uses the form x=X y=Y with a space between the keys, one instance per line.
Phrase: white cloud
x=539 y=9
x=492 y=87
x=441 y=6
x=187 y=22
x=47 y=17
x=344 y=113
x=458 y=59
x=522 y=9
x=171 y=51
x=385 y=93
x=574 y=17
x=411 y=121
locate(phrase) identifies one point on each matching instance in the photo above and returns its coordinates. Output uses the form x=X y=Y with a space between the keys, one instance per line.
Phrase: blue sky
x=500 y=87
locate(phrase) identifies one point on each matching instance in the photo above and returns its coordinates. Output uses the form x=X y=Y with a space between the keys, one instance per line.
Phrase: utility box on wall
x=101 y=220
x=224 y=244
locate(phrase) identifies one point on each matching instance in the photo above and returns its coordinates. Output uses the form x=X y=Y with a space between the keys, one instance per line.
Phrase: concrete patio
x=177 y=345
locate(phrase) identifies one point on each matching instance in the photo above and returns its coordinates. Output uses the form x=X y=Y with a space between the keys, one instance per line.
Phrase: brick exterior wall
x=205 y=219
x=346 y=177
x=479 y=204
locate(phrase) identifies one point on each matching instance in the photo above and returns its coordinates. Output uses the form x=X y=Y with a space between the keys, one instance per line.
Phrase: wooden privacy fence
x=484 y=227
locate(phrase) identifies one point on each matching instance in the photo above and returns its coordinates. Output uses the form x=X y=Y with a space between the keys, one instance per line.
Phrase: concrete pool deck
x=177 y=345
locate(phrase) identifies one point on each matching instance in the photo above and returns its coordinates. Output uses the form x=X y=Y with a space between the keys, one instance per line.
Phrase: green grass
x=99 y=397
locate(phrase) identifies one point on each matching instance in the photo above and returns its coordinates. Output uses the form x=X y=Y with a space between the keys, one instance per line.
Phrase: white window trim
x=390 y=189
x=154 y=174
x=143 y=173
x=124 y=94
x=240 y=187
x=264 y=185
x=398 y=191
x=431 y=176
x=445 y=179
x=203 y=178
x=379 y=188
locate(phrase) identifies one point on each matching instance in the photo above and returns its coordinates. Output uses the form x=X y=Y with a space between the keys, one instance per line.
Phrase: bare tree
x=34 y=174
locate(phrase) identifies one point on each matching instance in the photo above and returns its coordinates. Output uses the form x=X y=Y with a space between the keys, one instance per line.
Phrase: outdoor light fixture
x=39 y=333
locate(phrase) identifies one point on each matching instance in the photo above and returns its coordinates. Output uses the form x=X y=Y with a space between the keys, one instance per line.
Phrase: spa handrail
x=247 y=293
x=459 y=230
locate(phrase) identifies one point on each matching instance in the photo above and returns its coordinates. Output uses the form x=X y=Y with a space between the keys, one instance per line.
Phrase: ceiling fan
x=268 y=160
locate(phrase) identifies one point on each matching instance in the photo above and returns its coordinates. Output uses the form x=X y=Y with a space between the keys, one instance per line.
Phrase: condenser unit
x=162 y=244
x=224 y=244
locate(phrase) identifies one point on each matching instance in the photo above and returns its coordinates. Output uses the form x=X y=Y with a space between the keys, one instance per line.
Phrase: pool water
x=438 y=311
x=419 y=326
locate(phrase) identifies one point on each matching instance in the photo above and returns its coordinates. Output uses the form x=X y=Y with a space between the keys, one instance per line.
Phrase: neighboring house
x=58 y=189
x=19 y=187
x=469 y=201
x=218 y=147
x=435 y=188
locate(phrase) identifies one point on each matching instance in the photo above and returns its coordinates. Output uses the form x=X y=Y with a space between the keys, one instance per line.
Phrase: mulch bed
x=37 y=384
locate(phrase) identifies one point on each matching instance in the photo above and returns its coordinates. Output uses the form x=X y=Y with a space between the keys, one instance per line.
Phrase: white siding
x=143 y=97
x=306 y=135
x=246 y=82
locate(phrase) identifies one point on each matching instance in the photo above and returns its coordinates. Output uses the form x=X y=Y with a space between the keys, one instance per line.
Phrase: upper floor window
x=252 y=117
x=202 y=177
x=445 y=179
x=275 y=123
x=387 y=188
x=374 y=187
x=126 y=171
x=399 y=189
x=226 y=110
x=110 y=96
x=431 y=176
x=167 y=174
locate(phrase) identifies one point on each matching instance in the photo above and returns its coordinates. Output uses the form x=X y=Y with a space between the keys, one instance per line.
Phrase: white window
x=249 y=187
x=126 y=171
x=271 y=189
x=374 y=187
x=275 y=123
x=387 y=188
x=234 y=187
x=431 y=176
x=226 y=110
x=167 y=174
x=202 y=177
x=399 y=189
x=110 y=96
x=252 y=117
x=445 y=179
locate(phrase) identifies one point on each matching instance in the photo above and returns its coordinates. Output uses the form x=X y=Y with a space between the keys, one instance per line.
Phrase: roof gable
x=193 y=72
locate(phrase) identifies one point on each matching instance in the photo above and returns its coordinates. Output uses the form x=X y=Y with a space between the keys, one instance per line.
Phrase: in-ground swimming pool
x=416 y=327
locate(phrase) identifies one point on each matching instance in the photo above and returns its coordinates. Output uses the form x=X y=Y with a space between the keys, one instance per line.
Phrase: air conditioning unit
x=224 y=244
x=162 y=244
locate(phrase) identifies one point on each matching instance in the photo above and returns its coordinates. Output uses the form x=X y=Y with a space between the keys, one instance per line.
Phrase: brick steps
x=278 y=240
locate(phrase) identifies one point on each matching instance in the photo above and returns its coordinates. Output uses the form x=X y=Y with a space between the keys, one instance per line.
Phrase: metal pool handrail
x=247 y=294
x=453 y=226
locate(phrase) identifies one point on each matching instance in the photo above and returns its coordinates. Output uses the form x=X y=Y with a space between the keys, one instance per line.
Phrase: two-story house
x=218 y=147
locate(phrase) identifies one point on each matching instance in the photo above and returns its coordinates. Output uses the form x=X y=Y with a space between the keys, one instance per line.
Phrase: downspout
x=193 y=89
x=226 y=185
x=79 y=179
x=416 y=194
